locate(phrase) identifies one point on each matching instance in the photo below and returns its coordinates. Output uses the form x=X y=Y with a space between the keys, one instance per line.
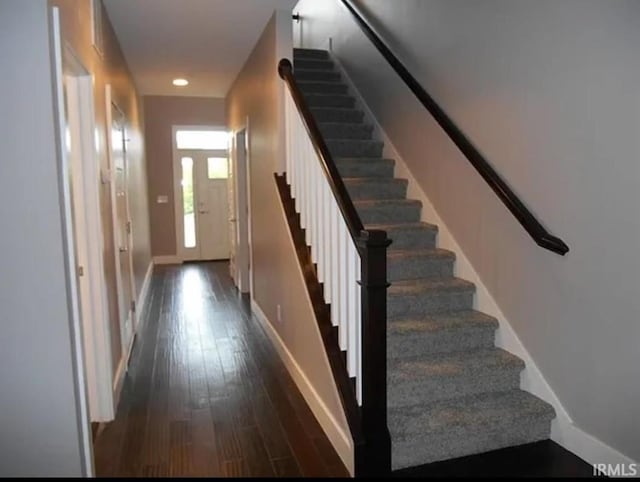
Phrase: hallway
x=206 y=394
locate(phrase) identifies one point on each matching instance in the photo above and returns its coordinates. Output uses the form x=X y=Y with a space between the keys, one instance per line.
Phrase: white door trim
x=242 y=207
x=95 y=316
x=75 y=321
x=177 y=191
x=247 y=137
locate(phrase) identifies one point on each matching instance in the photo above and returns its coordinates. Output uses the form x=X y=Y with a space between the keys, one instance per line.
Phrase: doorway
x=201 y=173
x=240 y=220
x=77 y=118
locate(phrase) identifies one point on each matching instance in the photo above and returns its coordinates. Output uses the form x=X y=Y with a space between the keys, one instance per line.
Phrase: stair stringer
x=563 y=429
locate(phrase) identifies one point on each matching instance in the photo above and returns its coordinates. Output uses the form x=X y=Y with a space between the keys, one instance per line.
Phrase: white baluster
x=322 y=248
x=329 y=275
x=343 y=331
x=335 y=266
x=307 y=193
x=288 y=139
x=358 y=335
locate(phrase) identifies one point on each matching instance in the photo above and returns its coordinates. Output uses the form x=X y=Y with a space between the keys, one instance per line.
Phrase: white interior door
x=122 y=226
x=203 y=205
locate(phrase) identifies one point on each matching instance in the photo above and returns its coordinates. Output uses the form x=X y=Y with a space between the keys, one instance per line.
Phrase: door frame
x=89 y=239
x=61 y=63
x=126 y=350
x=177 y=175
x=248 y=157
x=243 y=211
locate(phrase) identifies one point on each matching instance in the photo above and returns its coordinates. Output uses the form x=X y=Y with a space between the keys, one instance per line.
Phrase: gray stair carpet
x=451 y=391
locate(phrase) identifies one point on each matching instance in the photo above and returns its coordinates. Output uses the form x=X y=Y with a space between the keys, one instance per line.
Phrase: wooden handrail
x=372 y=446
x=348 y=210
x=540 y=235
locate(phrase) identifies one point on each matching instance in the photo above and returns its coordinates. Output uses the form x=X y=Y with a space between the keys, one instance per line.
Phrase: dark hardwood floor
x=206 y=394
x=541 y=459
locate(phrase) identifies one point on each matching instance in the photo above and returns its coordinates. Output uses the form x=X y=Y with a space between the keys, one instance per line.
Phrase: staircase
x=451 y=392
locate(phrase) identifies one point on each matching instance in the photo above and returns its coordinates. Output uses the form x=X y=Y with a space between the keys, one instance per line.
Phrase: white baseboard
x=120 y=374
x=170 y=259
x=563 y=430
x=340 y=440
x=142 y=296
x=587 y=447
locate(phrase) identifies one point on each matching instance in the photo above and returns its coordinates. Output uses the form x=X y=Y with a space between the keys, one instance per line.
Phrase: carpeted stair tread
x=406 y=287
x=422 y=253
x=463 y=412
x=310 y=53
x=442 y=322
x=363 y=167
x=311 y=64
x=440 y=333
x=355 y=148
x=407 y=264
x=315 y=100
x=336 y=114
x=431 y=378
x=411 y=298
x=377 y=188
x=387 y=210
x=318 y=75
x=466 y=425
x=319 y=87
x=344 y=130
x=409 y=235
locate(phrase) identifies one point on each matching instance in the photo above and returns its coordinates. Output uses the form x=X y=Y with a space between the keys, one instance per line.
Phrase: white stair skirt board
x=563 y=430
x=340 y=440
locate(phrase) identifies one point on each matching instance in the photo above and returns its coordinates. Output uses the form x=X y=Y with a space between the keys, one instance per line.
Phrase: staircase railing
x=514 y=204
x=351 y=263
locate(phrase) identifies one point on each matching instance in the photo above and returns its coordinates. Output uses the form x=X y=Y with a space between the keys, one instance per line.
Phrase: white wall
x=39 y=427
x=549 y=92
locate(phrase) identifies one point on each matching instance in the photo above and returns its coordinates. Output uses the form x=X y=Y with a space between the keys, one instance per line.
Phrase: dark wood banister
x=351 y=216
x=372 y=448
x=540 y=235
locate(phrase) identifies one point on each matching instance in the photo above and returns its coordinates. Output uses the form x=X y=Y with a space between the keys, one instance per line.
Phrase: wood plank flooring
x=206 y=394
x=540 y=459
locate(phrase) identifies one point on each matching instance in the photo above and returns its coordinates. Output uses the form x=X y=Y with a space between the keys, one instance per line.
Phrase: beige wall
x=75 y=16
x=548 y=91
x=256 y=94
x=161 y=113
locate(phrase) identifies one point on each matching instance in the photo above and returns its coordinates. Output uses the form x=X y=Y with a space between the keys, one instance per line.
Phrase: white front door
x=203 y=205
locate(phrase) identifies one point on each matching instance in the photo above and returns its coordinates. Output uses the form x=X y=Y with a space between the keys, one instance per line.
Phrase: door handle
x=123 y=250
x=232 y=220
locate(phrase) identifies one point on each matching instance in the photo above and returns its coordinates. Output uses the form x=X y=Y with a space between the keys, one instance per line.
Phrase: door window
x=187 y=203
x=217 y=168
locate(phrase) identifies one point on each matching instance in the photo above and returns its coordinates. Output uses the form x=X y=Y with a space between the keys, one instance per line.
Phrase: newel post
x=376 y=459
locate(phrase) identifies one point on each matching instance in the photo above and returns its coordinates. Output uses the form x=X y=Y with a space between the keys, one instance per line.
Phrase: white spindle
x=335 y=266
x=322 y=248
x=358 y=334
x=344 y=287
x=332 y=247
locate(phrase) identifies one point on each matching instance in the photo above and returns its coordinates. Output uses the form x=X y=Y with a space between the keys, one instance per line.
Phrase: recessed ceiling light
x=180 y=82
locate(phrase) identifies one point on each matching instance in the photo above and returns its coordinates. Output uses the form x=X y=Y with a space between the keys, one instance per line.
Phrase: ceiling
x=204 y=41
